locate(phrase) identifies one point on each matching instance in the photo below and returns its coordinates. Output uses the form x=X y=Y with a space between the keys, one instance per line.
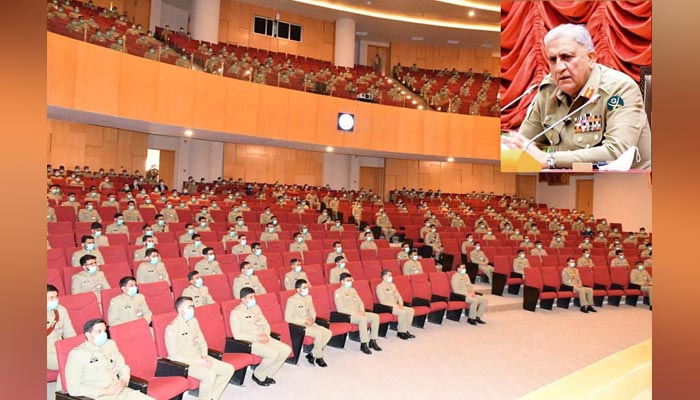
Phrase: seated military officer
x=347 y=301
x=58 y=326
x=388 y=295
x=296 y=273
x=88 y=248
x=461 y=284
x=248 y=279
x=208 y=265
x=129 y=305
x=300 y=310
x=639 y=276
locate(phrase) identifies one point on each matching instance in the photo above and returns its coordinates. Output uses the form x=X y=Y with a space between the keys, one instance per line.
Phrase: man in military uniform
x=412 y=266
x=478 y=256
x=298 y=244
x=203 y=225
x=557 y=242
x=58 y=326
x=388 y=295
x=296 y=273
x=520 y=262
x=128 y=306
x=88 y=248
x=247 y=278
x=639 y=276
x=197 y=291
x=404 y=254
x=571 y=277
x=585 y=259
x=185 y=343
x=269 y=233
x=233 y=216
x=229 y=238
x=538 y=250
x=100 y=240
x=242 y=247
x=96 y=368
x=208 y=265
x=368 y=243
x=187 y=236
x=300 y=310
x=148 y=243
x=152 y=269
x=619 y=260
x=257 y=260
x=169 y=214
x=337 y=251
x=461 y=284
x=90 y=279
x=347 y=301
x=248 y=323
x=195 y=248
x=385 y=223
x=335 y=272
x=146 y=230
x=131 y=214
x=647 y=251
x=602 y=131
x=266 y=216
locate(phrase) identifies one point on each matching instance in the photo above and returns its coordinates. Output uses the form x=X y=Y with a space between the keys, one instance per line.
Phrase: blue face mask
x=154 y=260
x=199 y=282
x=90 y=246
x=150 y=245
x=348 y=284
x=251 y=303
x=462 y=271
x=100 y=339
x=389 y=279
x=189 y=314
x=304 y=292
x=249 y=272
x=120 y=222
x=52 y=305
x=131 y=291
x=211 y=257
x=161 y=222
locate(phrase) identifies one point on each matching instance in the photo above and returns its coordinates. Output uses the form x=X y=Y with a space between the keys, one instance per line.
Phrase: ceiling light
x=452 y=41
x=420 y=107
x=329 y=149
x=487 y=45
x=361 y=33
x=346 y=122
x=450 y=159
x=417 y=38
x=473 y=4
x=188 y=132
x=415 y=20
x=471 y=13
x=414 y=102
x=408 y=97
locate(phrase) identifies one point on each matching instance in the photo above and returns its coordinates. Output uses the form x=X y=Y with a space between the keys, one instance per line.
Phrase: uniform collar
x=587 y=91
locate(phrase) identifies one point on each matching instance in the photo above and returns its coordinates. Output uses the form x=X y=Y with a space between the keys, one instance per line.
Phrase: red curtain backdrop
x=621 y=32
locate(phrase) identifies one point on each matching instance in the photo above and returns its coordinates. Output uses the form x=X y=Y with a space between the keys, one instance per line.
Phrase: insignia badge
x=615 y=102
x=589 y=92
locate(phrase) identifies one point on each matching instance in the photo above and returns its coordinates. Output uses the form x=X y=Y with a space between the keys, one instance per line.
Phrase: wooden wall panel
x=434 y=57
x=209 y=98
x=270 y=164
x=134 y=102
x=448 y=177
x=73 y=144
x=97 y=82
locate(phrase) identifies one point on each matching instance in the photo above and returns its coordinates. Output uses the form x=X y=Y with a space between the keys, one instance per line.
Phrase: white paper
x=624 y=162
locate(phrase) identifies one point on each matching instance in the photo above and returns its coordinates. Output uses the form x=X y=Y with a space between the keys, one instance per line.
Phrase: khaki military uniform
x=258 y=262
x=74 y=204
x=132 y=216
x=169 y=215
x=557 y=245
x=466 y=245
x=402 y=256
x=90 y=369
x=538 y=252
x=615 y=235
x=368 y=245
x=487 y=236
x=241 y=249
x=461 y=284
x=297 y=311
x=200 y=295
x=385 y=224
x=330 y=259
x=185 y=238
x=458 y=223
x=186 y=344
x=432 y=239
x=599 y=132
x=334 y=274
x=267 y=236
x=139 y=240
x=479 y=257
x=147 y=273
x=586 y=246
x=247 y=324
x=291 y=278
x=58 y=326
x=300 y=247
x=232 y=215
x=424 y=231
x=516 y=237
x=252 y=282
x=361 y=236
x=240 y=229
x=204 y=267
x=198 y=228
x=228 y=239
x=643 y=279
x=265 y=218
x=571 y=277
x=616 y=262
x=101 y=241
x=88 y=216
x=578 y=226
x=411 y=267
x=519 y=265
x=116 y=228
x=83 y=282
x=528 y=245
x=191 y=251
x=645 y=254
x=584 y=262
x=648 y=263
x=124 y=308
x=140 y=254
x=630 y=240
x=207 y=216
x=347 y=301
x=388 y=295
x=75 y=259
x=160 y=228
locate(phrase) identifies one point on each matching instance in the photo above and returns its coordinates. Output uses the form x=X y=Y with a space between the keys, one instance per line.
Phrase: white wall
x=196 y=158
x=623 y=198
x=336 y=170
x=173 y=16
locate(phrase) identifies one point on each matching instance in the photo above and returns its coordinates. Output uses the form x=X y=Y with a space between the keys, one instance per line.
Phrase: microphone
x=566 y=120
x=525 y=93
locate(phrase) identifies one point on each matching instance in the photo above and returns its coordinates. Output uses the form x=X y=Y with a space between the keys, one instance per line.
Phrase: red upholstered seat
x=158 y=296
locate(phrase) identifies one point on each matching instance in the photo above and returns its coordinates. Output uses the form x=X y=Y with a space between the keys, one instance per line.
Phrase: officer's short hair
x=51 y=288
x=143 y=239
x=144 y=226
x=87 y=327
x=206 y=250
x=95 y=225
x=299 y=282
x=188 y=225
x=196 y=236
x=569 y=259
x=125 y=281
x=243 y=265
x=254 y=245
x=336 y=243
x=344 y=275
x=192 y=274
x=293 y=261
x=384 y=272
x=117 y=215
x=339 y=259
x=521 y=251
x=578 y=33
x=619 y=251
x=200 y=219
x=246 y=291
x=151 y=251
x=159 y=215
x=296 y=234
x=181 y=300
x=84 y=238
x=87 y=257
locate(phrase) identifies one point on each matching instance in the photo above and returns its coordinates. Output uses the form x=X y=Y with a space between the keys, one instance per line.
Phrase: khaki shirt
x=538 y=252
x=191 y=251
x=101 y=241
x=240 y=249
x=599 y=132
x=88 y=216
x=200 y=296
x=299 y=308
x=519 y=265
x=265 y=218
x=147 y=273
x=334 y=274
x=90 y=369
x=584 y=262
x=258 y=262
x=402 y=255
x=204 y=267
x=252 y=282
x=184 y=341
x=461 y=284
x=388 y=294
x=616 y=262
x=330 y=259
x=116 y=228
x=411 y=267
x=478 y=257
x=248 y=323
x=465 y=245
x=368 y=244
x=291 y=278
x=347 y=301
x=62 y=329
x=433 y=239
x=75 y=259
x=83 y=282
x=124 y=308
x=300 y=247
x=571 y=277
x=384 y=222
x=169 y=215
x=641 y=278
x=132 y=216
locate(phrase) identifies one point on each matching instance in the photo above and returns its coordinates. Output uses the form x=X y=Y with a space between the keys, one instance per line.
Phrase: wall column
x=204 y=20
x=155 y=15
x=344 y=55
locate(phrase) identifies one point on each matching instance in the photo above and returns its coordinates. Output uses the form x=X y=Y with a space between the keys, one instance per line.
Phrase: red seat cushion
x=599 y=292
x=615 y=292
x=420 y=310
x=238 y=360
x=166 y=387
x=438 y=305
x=338 y=328
x=386 y=317
x=514 y=281
x=548 y=295
x=455 y=305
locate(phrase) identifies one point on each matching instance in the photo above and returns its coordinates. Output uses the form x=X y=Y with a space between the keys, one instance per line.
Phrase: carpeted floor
x=514 y=353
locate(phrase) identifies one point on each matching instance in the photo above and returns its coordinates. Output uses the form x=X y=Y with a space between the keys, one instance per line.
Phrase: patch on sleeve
x=615 y=102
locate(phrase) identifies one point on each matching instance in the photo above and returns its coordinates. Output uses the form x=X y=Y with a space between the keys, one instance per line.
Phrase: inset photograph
x=575 y=86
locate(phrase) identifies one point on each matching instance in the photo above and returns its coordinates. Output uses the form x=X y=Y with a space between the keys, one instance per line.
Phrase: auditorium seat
x=297 y=333
x=160 y=322
x=114 y=272
x=177 y=267
x=273 y=312
x=59 y=240
x=534 y=289
x=442 y=291
x=165 y=379
x=601 y=278
x=421 y=307
x=56 y=259
x=502 y=276
x=219 y=287
x=60 y=227
x=179 y=285
x=158 y=296
x=53 y=277
x=552 y=277
x=269 y=278
x=321 y=296
x=587 y=280
x=620 y=279
x=423 y=294
x=393 y=266
x=385 y=316
x=81 y=308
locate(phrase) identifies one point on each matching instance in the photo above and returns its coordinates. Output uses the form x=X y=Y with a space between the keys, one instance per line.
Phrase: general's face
x=570 y=64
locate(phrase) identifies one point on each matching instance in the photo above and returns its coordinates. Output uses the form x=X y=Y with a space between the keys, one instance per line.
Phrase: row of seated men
x=247 y=322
